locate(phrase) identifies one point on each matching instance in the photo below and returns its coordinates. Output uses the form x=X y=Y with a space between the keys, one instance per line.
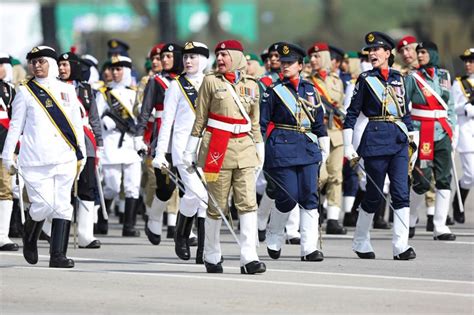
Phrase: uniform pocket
x=285 y=145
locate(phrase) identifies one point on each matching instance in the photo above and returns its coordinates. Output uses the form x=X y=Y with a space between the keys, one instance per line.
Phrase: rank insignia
x=49 y=103
x=370 y=38
x=286 y=50
x=467 y=52
x=222 y=45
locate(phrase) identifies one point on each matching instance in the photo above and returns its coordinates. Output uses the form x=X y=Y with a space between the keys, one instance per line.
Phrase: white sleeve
x=170 y=104
x=459 y=99
x=348 y=95
x=17 y=123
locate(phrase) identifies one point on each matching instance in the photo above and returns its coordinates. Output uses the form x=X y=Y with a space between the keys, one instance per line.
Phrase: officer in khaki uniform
x=227 y=117
x=330 y=87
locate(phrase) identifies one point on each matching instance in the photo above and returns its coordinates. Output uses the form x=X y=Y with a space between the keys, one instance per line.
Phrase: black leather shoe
x=333 y=227
x=274 y=254
x=213 y=268
x=130 y=232
x=429 y=223
x=350 y=220
x=193 y=241
x=201 y=235
x=293 y=241
x=445 y=237
x=262 y=235
x=449 y=221
x=93 y=244
x=411 y=232
x=406 y=255
x=368 y=255
x=11 y=247
x=380 y=223
x=253 y=267
x=459 y=216
x=171 y=231
x=314 y=256
x=155 y=239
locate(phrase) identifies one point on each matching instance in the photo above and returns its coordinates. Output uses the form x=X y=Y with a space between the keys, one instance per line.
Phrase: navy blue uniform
x=291 y=157
x=384 y=146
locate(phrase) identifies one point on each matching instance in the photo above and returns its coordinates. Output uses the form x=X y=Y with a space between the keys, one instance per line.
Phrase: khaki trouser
x=242 y=181
x=430 y=195
x=331 y=172
x=5 y=184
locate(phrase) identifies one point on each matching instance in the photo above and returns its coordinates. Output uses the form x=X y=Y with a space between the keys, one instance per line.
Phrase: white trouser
x=400 y=230
x=6 y=207
x=195 y=197
x=347 y=203
x=212 y=243
x=49 y=190
x=361 y=240
x=85 y=223
x=415 y=203
x=155 y=215
x=309 y=231
x=46 y=228
x=248 y=237
x=113 y=178
x=442 y=204
x=467 y=161
x=293 y=224
x=275 y=235
x=263 y=212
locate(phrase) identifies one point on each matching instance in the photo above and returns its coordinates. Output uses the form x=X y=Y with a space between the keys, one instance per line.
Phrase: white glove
x=160 y=161
x=469 y=110
x=139 y=144
x=349 y=151
x=10 y=166
x=109 y=123
x=189 y=154
x=260 y=153
x=324 y=145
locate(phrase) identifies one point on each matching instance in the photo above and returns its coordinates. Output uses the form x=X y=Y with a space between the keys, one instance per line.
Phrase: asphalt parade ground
x=131 y=276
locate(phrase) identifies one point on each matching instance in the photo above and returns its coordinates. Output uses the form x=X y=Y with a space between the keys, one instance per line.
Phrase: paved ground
x=130 y=276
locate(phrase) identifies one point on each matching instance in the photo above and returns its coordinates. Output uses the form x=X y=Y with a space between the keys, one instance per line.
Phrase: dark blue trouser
x=299 y=183
x=396 y=166
x=350 y=181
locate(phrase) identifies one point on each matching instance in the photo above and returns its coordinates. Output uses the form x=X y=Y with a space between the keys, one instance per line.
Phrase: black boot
x=201 y=236
x=379 y=221
x=30 y=239
x=457 y=214
x=16 y=228
x=102 y=226
x=350 y=219
x=59 y=240
x=181 y=237
x=129 y=218
x=429 y=223
x=333 y=227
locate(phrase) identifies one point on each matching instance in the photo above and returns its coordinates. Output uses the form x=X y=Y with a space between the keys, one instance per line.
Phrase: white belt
x=234 y=128
x=158 y=114
x=3 y=114
x=437 y=113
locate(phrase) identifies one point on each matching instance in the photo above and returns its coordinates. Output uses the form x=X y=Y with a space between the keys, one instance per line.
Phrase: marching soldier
x=115 y=106
x=433 y=115
x=406 y=47
x=463 y=97
x=70 y=72
x=330 y=88
x=7 y=94
x=177 y=121
x=152 y=109
x=273 y=74
x=46 y=112
x=379 y=95
x=295 y=148
x=227 y=118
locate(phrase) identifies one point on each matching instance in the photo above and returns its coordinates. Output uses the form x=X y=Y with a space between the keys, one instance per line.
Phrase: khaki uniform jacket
x=215 y=97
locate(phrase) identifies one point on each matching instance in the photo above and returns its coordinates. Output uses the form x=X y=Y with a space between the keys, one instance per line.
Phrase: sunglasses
x=40 y=61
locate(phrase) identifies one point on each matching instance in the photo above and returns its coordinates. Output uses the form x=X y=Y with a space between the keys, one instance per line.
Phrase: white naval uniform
x=176 y=125
x=116 y=160
x=47 y=163
x=465 y=141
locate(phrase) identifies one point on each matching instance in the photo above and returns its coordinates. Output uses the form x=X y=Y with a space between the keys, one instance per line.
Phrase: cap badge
x=113 y=44
x=467 y=52
x=65 y=56
x=222 y=45
x=405 y=43
x=189 y=45
x=286 y=50
x=114 y=59
x=275 y=46
x=316 y=48
x=370 y=38
x=171 y=48
x=35 y=49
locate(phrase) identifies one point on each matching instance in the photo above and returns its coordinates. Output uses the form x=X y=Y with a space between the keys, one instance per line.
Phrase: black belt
x=385 y=118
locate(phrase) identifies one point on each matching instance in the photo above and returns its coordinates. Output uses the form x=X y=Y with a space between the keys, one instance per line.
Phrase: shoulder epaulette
x=24 y=81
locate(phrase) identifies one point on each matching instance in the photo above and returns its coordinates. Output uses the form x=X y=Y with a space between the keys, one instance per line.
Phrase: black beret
x=427 y=45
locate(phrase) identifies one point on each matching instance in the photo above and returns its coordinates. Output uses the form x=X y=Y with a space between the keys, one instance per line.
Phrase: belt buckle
x=391 y=118
x=302 y=129
x=237 y=129
x=437 y=114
